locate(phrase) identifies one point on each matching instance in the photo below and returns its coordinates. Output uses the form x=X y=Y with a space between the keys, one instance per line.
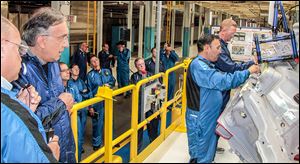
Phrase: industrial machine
x=152 y=97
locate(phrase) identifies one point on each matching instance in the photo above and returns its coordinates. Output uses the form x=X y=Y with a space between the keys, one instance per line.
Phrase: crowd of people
x=37 y=96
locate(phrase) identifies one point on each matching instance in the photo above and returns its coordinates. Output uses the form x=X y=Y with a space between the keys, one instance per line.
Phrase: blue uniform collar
x=210 y=64
x=42 y=62
x=223 y=42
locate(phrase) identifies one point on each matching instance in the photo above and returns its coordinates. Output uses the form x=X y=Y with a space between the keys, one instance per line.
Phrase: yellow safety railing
x=106 y=94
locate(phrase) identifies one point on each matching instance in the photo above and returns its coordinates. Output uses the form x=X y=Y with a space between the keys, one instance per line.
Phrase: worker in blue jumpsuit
x=225 y=62
x=72 y=87
x=204 y=88
x=152 y=126
x=107 y=60
x=80 y=58
x=76 y=81
x=98 y=77
x=169 y=58
x=150 y=63
x=123 y=58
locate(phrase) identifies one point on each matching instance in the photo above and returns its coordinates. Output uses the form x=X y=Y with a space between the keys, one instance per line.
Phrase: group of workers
x=37 y=96
x=46 y=90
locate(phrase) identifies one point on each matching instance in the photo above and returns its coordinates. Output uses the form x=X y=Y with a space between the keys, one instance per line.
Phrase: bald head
x=6 y=28
x=10 y=57
x=227 y=23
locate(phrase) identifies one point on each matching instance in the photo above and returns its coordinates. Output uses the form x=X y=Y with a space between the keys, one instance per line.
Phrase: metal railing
x=106 y=94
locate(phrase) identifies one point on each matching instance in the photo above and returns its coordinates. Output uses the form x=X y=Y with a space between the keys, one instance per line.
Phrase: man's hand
x=30 y=97
x=254 y=58
x=67 y=98
x=254 y=69
x=111 y=56
x=54 y=147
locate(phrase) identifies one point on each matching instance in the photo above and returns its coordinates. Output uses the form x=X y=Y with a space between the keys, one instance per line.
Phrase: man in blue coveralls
x=98 y=77
x=75 y=80
x=225 y=63
x=74 y=87
x=169 y=57
x=123 y=58
x=204 y=88
x=152 y=126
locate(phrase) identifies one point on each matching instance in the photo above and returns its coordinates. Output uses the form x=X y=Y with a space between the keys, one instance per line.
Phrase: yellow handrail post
x=182 y=126
x=75 y=132
x=134 y=124
x=164 y=105
x=107 y=93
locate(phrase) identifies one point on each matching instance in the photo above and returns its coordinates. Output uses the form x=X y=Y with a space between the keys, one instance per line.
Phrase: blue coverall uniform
x=80 y=58
x=123 y=67
x=204 y=101
x=97 y=79
x=23 y=137
x=152 y=126
x=76 y=87
x=226 y=64
x=105 y=61
x=169 y=62
x=51 y=110
x=150 y=67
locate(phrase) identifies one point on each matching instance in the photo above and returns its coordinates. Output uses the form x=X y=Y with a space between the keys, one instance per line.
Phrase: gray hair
x=39 y=23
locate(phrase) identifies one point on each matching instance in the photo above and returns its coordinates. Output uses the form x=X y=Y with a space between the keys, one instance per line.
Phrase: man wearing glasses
x=46 y=33
x=19 y=124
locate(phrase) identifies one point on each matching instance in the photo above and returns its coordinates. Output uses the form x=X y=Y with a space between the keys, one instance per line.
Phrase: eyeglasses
x=65 y=70
x=140 y=65
x=23 y=49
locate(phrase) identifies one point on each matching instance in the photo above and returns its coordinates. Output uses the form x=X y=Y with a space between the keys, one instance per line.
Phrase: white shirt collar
x=5 y=84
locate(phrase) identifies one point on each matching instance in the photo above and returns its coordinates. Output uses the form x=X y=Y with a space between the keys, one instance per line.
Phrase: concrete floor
x=175 y=150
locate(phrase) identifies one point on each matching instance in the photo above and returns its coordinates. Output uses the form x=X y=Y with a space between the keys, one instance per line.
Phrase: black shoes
x=96 y=147
x=220 y=150
x=193 y=160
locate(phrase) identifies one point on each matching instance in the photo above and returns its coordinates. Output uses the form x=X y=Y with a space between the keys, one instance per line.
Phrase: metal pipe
x=141 y=27
x=99 y=25
x=129 y=25
x=88 y=22
x=95 y=26
x=158 y=11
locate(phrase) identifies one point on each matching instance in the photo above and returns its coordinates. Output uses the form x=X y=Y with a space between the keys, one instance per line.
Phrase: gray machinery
x=261 y=121
x=152 y=97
